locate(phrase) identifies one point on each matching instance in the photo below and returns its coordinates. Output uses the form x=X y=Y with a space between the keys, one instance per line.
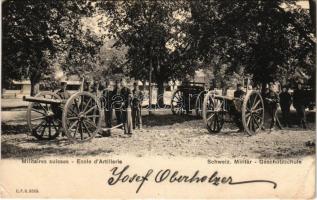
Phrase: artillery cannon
x=79 y=117
x=187 y=97
x=218 y=109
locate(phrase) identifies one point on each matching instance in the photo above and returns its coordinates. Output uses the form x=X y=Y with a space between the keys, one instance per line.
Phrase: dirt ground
x=165 y=135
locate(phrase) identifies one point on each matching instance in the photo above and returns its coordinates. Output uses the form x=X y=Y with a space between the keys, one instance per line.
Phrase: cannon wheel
x=177 y=103
x=213 y=112
x=82 y=117
x=199 y=103
x=253 y=112
x=42 y=122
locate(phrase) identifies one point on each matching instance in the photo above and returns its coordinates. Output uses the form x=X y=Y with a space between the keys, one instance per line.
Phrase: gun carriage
x=78 y=117
x=187 y=97
x=218 y=109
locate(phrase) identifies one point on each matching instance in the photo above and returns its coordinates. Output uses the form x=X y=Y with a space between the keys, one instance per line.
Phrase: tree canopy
x=150 y=32
x=40 y=37
x=269 y=40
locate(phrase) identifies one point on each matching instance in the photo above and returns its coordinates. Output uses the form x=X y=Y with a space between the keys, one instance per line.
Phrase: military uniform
x=126 y=97
x=186 y=96
x=300 y=106
x=106 y=101
x=86 y=86
x=94 y=88
x=63 y=94
x=285 y=103
x=272 y=100
x=239 y=95
x=116 y=103
x=136 y=108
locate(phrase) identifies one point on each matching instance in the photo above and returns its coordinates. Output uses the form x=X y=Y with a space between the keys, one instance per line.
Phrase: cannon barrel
x=42 y=100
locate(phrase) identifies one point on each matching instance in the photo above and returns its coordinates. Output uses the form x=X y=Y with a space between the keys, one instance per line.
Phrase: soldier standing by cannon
x=116 y=101
x=239 y=94
x=62 y=92
x=285 y=103
x=125 y=94
x=300 y=105
x=136 y=106
x=272 y=100
x=107 y=96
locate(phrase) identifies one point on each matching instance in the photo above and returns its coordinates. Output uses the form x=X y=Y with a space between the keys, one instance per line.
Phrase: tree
x=37 y=34
x=150 y=32
x=312 y=12
x=269 y=38
x=25 y=40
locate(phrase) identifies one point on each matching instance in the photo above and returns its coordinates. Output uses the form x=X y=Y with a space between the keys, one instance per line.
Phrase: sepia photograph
x=147 y=86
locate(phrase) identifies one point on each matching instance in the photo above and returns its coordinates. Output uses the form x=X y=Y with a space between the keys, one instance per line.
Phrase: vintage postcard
x=158 y=99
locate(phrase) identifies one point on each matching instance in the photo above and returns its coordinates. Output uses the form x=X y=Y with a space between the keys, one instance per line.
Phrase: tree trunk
x=150 y=87
x=34 y=88
x=144 y=85
x=312 y=12
x=263 y=88
x=32 y=93
x=223 y=88
x=160 y=94
x=35 y=79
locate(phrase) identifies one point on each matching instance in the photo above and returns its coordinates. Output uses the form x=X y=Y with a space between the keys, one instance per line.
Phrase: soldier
x=94 y=87
x=116 y=101
x=285 y=103
x=136 y=106
x=63 y=93
x=125 y=94
x=300 y=105
x=186 y=95
x=272 y=100
x=107 y=95
x=238 y=95
x=86 y=84
x=101 y=87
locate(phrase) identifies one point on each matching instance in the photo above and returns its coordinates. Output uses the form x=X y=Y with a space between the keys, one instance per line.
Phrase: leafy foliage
x=26 y=38
x=40 y=35
x=151 y=33
x=270 y=38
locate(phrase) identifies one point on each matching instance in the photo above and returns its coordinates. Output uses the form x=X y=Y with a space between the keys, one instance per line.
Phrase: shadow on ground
x=165 y=120
x=14 y=149
x=286 y=152
x=14 y=128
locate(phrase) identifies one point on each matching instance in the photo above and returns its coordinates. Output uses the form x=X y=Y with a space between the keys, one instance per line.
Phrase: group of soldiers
x=119 y=99
x=283 y=99
x=299 y=101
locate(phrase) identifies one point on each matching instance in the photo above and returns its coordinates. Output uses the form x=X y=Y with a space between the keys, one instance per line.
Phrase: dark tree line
x=269 y=40
x=38 y=35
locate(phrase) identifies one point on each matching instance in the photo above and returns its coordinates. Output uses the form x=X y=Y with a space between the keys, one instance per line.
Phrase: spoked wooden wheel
x=253 y=112
x=42 y=120
x=199 y=103
x=177 y=103
x=82 y=117
x=213 y=112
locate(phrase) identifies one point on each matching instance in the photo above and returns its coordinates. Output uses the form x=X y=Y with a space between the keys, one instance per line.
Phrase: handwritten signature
x=121 y=176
